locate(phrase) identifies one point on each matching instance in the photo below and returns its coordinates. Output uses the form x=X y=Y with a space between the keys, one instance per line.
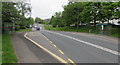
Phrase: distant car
x=37 y=28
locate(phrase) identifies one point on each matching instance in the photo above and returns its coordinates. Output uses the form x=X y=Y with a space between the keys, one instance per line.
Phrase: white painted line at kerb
x=93 y=45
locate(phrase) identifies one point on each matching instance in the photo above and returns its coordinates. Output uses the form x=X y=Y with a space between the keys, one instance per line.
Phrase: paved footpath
x=27 y=52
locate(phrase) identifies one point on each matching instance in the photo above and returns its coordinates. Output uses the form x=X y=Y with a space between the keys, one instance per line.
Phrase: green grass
x=8 y=55
x=22 y=30
x=71 y=29
x=0 y=48
x=84 y=29
x=115 y=32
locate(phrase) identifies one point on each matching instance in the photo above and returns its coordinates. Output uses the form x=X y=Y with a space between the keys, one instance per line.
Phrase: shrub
x=17 y=28
x=22 y=27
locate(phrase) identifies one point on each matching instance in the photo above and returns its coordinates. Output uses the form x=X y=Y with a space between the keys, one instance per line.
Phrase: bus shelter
x=104 y=29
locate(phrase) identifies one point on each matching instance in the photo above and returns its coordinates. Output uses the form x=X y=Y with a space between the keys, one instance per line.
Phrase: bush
x=17 y=28
x=22 y=27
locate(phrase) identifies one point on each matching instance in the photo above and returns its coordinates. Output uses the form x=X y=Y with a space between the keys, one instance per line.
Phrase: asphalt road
x=84 y=48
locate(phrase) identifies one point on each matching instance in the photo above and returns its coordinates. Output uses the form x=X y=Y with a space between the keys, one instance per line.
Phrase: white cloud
x=46 y=8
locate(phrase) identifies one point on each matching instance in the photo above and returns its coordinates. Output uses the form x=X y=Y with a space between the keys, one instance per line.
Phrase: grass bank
x=8 y=55
x=85 y=29
x=22 y=30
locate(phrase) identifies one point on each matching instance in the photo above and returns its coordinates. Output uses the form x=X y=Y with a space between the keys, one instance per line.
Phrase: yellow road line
x=50 y=41
x=54 y=55
x=72 y=61
x=54 y=45
x=61 y=52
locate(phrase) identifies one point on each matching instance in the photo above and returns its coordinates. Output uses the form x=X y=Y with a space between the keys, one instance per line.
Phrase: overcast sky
x=46 y=8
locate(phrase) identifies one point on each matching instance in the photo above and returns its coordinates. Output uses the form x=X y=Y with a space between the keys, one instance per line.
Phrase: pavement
x=27 y=52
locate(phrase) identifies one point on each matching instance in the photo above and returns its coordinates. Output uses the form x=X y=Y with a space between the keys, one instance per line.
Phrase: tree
x=11 y=13
x=86 y=14
x=24 y=8
x=38 y=20
x=56 y=20
x=71 y=13
x=116 y=12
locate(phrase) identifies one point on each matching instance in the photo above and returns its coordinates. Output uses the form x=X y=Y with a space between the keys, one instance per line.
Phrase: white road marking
x=93 y=45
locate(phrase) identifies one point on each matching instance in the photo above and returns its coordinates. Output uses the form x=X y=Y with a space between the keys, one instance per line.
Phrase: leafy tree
x=11 y=13
x=24 y=8
x=86 y=12
x=71 y=13
x=38 y=20
x=56 y=20
x=116 y=12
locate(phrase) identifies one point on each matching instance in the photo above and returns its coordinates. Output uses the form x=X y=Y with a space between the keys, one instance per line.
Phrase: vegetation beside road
x=16 y=18
x=71 y=29
x=88 y=17
x=85 y=29
x=22 y=30
x=79 y=13
x=8 y=55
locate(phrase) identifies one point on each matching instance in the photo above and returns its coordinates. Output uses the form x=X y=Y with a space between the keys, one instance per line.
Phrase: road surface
x=78 y=47
x=75 y=47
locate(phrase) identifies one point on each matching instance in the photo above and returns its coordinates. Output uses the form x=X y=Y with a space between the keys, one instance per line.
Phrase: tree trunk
x=77 y=24
x=94 y=23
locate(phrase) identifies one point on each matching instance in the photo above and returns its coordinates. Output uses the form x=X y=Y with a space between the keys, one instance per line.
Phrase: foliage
x=17 y=13
x=9 y=12
x=56 y=20
x=38 y=20
x=21 y=30
x=86 y=12
x=85 y=29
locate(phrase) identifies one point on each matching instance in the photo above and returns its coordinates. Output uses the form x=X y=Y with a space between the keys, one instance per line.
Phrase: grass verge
x=0 y=49
x=85 y=29
x=22 y=30
x=8 y=55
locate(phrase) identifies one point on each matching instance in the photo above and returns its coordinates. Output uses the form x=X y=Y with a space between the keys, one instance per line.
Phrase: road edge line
x=54 y=55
